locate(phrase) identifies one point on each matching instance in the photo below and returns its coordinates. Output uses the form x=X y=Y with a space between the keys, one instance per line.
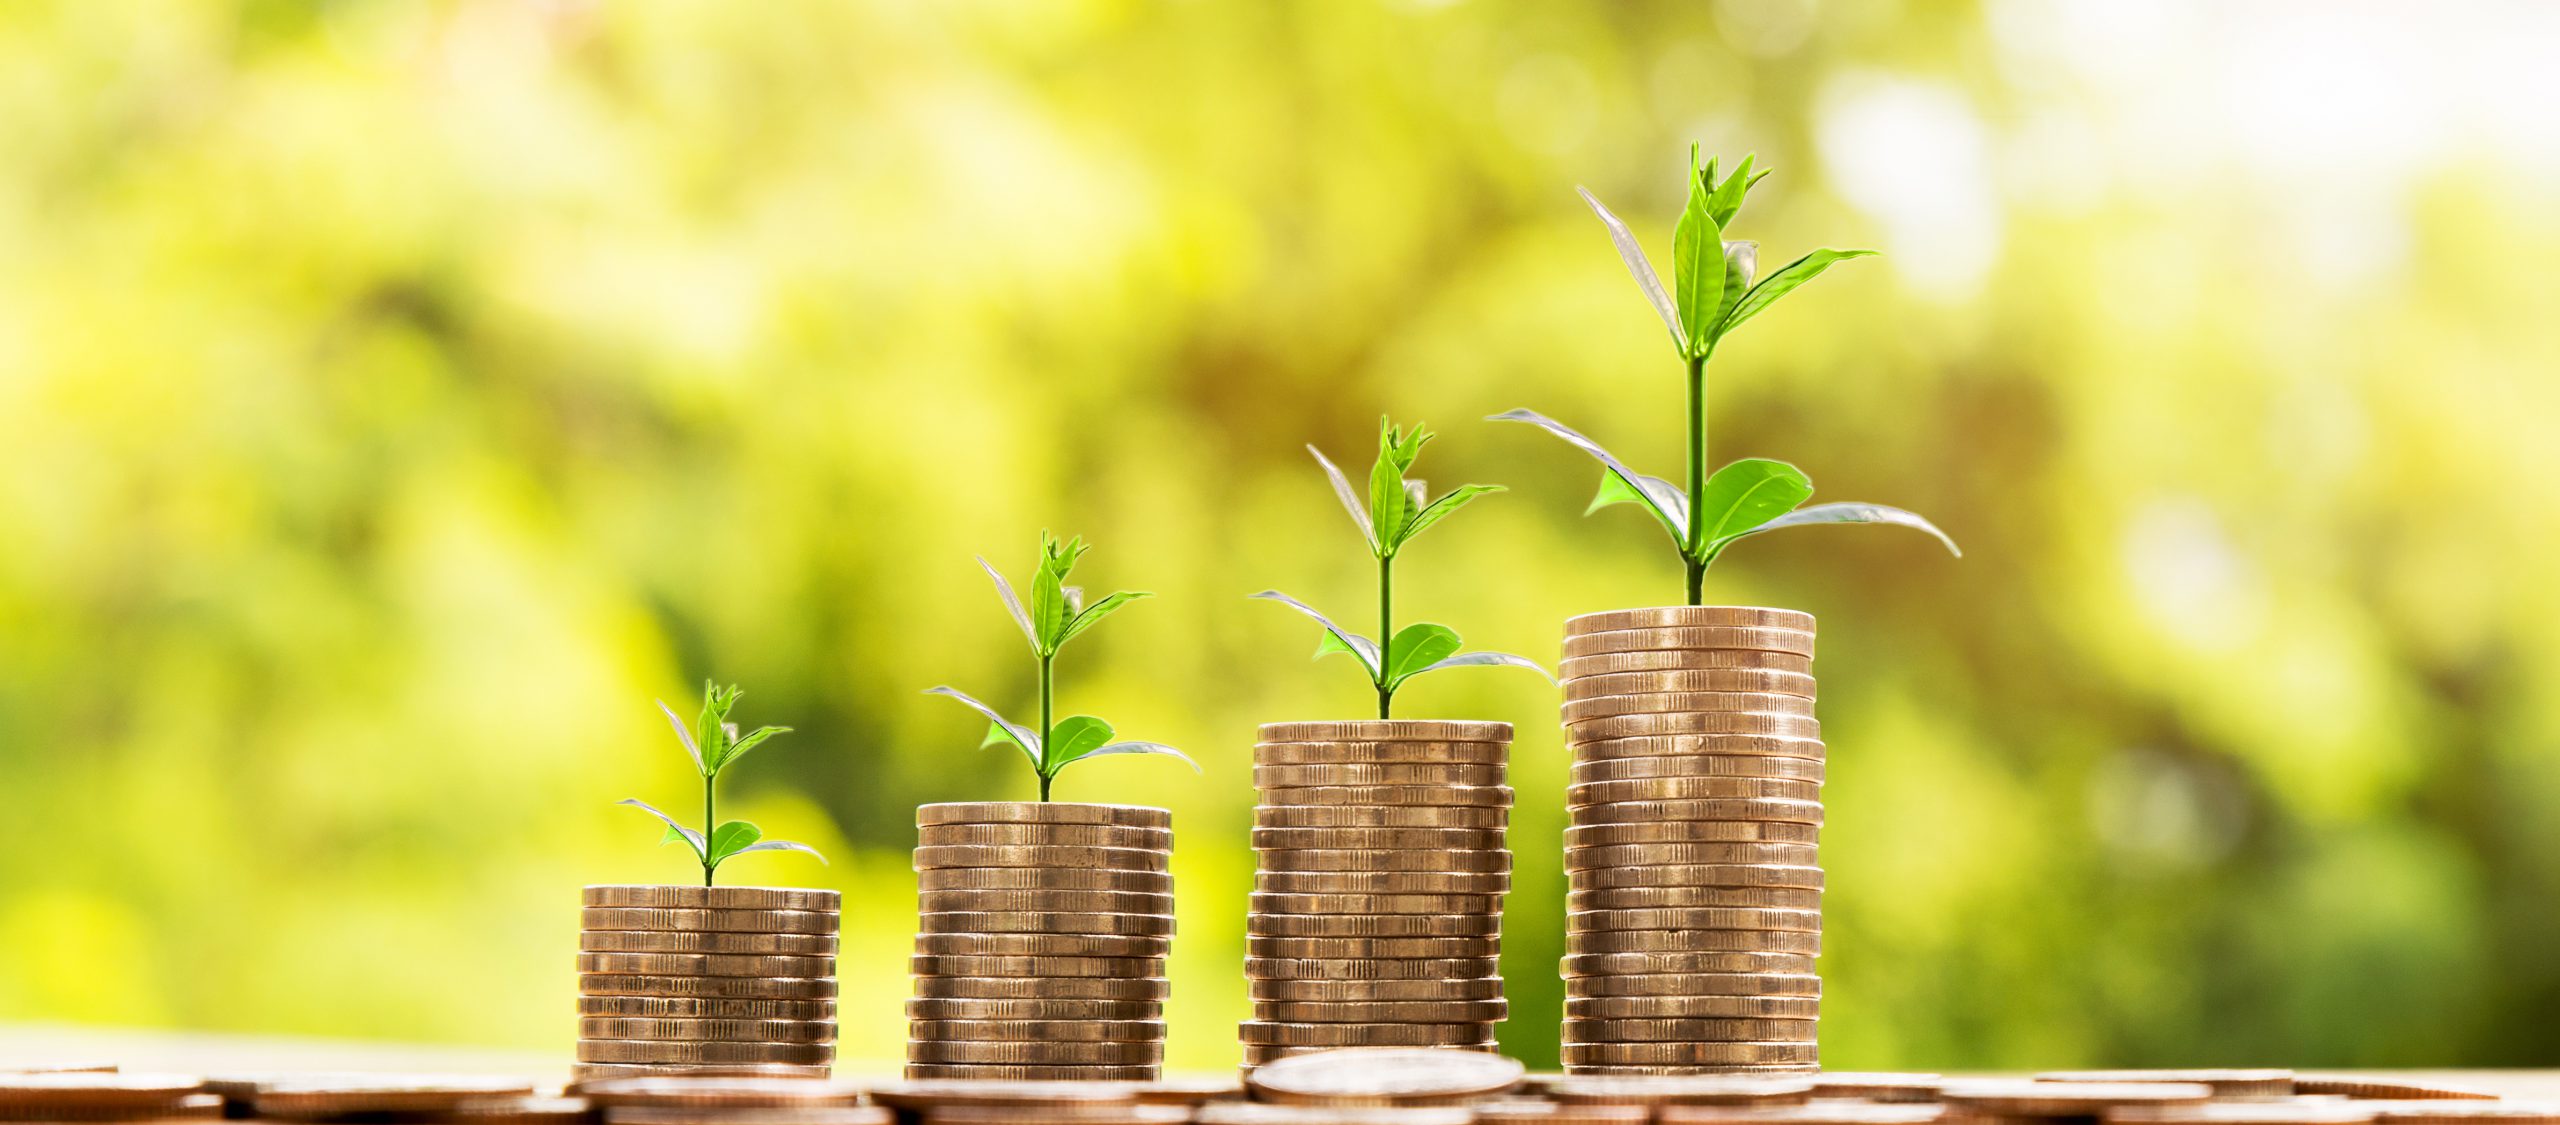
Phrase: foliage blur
x=396 y=397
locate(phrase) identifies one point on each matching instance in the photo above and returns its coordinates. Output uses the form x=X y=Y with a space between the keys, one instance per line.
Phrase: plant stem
x=709 y=822
x=1048 y=689
x=1695 y=549
x=1386 y=629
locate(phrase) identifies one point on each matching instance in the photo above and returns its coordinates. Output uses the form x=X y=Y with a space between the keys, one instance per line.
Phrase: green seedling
x=1714 y=292
x=714 y=744
x=1397 y=511
x=1058 y=614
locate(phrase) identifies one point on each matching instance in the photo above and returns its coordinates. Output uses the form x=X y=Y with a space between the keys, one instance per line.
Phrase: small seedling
x=1713 y=293
x=1058 y=614
x=714 y=744
x=1398 y=510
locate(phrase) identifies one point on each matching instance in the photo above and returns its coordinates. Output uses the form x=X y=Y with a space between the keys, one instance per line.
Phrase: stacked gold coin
x=1695 y=807
x=1041 y=941
x=682 y=979
x=1376 y=916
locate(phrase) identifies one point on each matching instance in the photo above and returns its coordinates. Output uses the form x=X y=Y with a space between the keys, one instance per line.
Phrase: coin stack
x=1377 y=899
x=732 y=980
x=1041 y=937
x=1695 y=809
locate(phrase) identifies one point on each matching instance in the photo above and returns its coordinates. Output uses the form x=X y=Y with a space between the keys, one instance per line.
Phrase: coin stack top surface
x=1376 y=916
x=694 y=980
x=1041 y=941
x=1695 y=807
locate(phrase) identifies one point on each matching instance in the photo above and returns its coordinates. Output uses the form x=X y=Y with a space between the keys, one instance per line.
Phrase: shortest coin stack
x=1041 y=937
x=43 y=1094
x=732 y=1101
x=707 y=980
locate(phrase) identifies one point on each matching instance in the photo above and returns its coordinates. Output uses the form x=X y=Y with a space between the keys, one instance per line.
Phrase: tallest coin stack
x=1695 y=808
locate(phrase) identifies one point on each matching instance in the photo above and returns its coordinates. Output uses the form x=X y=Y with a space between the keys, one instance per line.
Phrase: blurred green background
x=396 y=397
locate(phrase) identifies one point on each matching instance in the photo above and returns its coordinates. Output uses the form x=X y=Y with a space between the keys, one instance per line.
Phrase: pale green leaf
x=1662 y=497
x=1632 y=253
x=1360 y=647
x=1854 y=512
x=1441 y=508
x=1089 y=615
x=1783 y=282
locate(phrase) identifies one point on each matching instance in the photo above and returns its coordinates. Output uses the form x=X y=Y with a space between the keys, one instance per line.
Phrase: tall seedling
x=1397 y=511
x=1713 y=292
x=714 y=745
x=1058 y=614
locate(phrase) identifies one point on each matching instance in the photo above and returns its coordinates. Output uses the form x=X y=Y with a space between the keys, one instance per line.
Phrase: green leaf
x=1854 y=512
x=1343 y=491
x=1725 y=199
x=710 y=729
x=1484 y=659
x=732 y=836
x=1660 y=496
x=1020 y=736
x=1632 y=253
x=1390 y=507
x=689 y=836
x=1344 y=640
x=1440 y=509
x=1740 y=259
x=1091 y=614
x=1416 y=647
x=1697 y=272
x=1050 y=610
x=1073 y=737
x=738 y=748
x=1783 y=282
x=1135 y=747
x=1614 y=489
x=686 y=737
x=1745 y=494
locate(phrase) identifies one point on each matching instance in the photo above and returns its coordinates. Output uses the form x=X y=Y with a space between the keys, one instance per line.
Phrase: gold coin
x=938 y=1008
x=591 y=1076
x=666 y=896
x=1366 y=947
x=1041 y=812
x=1795 y=641
x=1383 y=860
x=704 y=941
x=77 y=1066
x=1670 y=855
x=1055 y=922
x=1686 y=702
x=707 y=965
x=1377 y=1078
x=1385 y=730
x=1695 y=875
x=1697 y=918
x=1042 y=989
x=1729 y=1053
x=1115 y=902
x=1375 y=773
x=1354 y=816
x=1740 y=808
x=929 y=857
x=788 y=1115
x=1767 y=680
x=1040 y=945
x=2026 y=1098
x=1690 y=617
x=1679 y=964
x=1333 y=839
x=1728 y=1071
x=1043 y=879
x=1435 y=796
x=2382 y=1088
x=1381 y=882
x=698 y=1007
x=1588 y=750
x=1693 y=941
x=1046 y=835
x=1691 y=832
x=735 y=1092
x=751 y=1031
x=1370 y=969
x=1262 y=903
x=1696 y=765
x=1689 y=1005
x=928 y=965
x=707 y=988
x=1189 y=1091
x=1373 y=925
x=1321 y=991
x=1073 y=1030
x=1690 y=789
x=1259 y=1054
x=1575 y=668
x=1693 y=722
x=315 y=1095
x=1880 y=1086
x=1361 y=1034
x=1359 y=753
x=923 y=1098
x=1024 y=1053
x=984 y=1073
x=738 y=921
x=1386 y=1011
x=1801 y=993
x=2225 y=1082
x=1721 y=1091
x=1648 y=898
x=712 y=1051
x=77 y=1091
x=1694 y=1029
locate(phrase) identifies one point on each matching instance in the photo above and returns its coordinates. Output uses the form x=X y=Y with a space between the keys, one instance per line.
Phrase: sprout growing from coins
x=1398 y=510
x=1713 y=293
x=1057 y=614
x=714 y=744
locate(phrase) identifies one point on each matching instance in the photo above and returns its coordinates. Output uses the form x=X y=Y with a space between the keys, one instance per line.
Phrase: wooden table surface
x=202 y=1053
